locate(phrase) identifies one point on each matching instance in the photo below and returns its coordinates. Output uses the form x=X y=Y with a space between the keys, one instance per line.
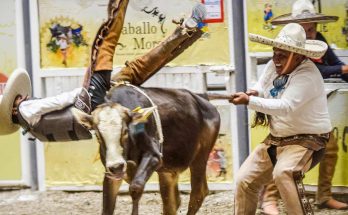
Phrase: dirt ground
x=26 y=202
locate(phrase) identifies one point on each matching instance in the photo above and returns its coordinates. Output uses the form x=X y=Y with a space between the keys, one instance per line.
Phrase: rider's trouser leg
x=327 y=170
x=139 y=70
x=104 y=44
x=97 y=78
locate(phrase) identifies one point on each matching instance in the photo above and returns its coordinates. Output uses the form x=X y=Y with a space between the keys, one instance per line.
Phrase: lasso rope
x=155 y=114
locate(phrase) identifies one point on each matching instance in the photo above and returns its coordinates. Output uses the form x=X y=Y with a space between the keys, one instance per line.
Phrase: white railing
x=194 y=78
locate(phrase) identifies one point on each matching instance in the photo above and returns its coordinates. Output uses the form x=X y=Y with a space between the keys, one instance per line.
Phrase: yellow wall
x=338 y=108
x=10 y=160
x=73 y=163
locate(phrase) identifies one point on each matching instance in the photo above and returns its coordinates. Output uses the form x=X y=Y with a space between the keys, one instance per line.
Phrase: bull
x=130 y=147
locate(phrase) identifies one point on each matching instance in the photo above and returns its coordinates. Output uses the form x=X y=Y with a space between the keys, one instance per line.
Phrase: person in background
x=303 y=12
x=267 y=16
x=330 y=66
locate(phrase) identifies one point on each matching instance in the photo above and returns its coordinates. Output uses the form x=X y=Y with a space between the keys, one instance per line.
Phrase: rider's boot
x=97 y=78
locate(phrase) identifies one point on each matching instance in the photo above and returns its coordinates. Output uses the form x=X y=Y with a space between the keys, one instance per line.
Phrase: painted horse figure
x=130 y=147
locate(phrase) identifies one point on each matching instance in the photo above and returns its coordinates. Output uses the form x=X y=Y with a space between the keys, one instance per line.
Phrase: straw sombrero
x=17 y=84
x=303 y=12
x=292 y=38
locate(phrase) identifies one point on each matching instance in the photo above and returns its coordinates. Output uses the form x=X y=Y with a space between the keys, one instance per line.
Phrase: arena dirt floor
x=26 y=202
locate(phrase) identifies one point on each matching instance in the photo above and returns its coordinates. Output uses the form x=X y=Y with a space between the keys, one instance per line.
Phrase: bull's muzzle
x=116 y=171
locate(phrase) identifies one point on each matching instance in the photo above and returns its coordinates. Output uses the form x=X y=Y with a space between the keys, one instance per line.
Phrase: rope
x=155 y=114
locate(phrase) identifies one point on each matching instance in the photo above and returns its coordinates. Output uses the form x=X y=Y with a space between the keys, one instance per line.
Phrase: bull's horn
x=141 y=114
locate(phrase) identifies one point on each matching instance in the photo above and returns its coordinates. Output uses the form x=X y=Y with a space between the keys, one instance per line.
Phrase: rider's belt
x=310 y=141
x=57 y=126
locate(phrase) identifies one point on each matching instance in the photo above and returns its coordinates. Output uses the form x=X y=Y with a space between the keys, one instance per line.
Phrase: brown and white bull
x=131 y=150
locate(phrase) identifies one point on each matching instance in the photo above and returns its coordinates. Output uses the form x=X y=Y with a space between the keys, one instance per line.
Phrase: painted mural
x=66 y=38
x=67 y=29
x=261 y=12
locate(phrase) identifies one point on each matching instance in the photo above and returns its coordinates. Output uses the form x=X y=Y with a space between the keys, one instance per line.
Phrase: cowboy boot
x=97 y=77
x=104 y=45
x=326 y=173
x=141 y=69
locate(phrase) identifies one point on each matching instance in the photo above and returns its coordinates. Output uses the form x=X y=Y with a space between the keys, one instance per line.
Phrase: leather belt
x=300 y=136
x=311 y=141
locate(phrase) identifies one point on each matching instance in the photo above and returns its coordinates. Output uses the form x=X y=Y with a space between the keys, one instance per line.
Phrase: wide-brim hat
x=292 y=38
x=17 y=84
x=303 y=12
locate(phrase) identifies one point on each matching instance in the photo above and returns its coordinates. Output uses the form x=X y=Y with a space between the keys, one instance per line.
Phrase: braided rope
x=155 y=114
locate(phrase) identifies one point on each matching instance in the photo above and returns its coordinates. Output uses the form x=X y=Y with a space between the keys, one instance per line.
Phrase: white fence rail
x=192 y=78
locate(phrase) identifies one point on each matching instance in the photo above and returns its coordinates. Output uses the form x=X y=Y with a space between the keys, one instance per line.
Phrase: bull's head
x=111 y=123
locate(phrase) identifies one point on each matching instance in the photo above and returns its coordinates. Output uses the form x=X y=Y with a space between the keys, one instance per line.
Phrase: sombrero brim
x=17 y=84
x=313 y=48
x=303 y=18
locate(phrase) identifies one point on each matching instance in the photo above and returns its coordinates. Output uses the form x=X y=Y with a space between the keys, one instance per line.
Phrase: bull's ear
x=140 y=115
x=83 y=118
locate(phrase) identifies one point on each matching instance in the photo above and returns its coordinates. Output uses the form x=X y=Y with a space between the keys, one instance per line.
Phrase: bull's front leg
x=110 y=190
x=149 y=163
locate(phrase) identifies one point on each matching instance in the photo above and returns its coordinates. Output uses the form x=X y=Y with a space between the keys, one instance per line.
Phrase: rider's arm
x=301 y=90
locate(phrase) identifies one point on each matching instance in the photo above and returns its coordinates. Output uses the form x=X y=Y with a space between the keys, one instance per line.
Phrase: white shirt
x=32 y=110
x=300 y=108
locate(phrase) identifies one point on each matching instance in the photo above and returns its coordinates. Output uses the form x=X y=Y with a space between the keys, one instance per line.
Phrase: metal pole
x=241 y=80
x=27 y=37
x=29 y=67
